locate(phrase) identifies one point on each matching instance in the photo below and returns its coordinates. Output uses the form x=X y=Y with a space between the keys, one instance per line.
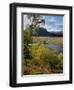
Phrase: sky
x=53 y=23
x=26 y=21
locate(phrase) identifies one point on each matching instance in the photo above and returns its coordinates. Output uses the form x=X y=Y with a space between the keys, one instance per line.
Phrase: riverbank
x=50 y=40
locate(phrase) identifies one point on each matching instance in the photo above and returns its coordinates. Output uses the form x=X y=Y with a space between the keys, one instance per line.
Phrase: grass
x=51 y=40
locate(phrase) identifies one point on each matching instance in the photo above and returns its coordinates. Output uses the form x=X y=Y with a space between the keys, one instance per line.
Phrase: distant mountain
x=43 y=32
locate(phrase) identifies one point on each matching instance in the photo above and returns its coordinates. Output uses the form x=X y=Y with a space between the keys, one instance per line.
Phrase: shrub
x=60 y=58
x=43 y=56
x=44 y=60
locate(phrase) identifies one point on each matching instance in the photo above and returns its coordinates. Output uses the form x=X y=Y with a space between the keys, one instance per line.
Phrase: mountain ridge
x=43 y=32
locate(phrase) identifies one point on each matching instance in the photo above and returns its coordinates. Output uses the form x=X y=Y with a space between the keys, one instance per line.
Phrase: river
x=53 y=46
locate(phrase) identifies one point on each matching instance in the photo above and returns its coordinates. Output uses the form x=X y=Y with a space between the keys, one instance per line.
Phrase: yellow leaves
x=41 y=54
x=44 y=60
x=60 y=56
x=38 y=50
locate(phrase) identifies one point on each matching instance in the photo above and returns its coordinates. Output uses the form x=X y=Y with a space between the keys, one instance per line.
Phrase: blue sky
x=53 y=23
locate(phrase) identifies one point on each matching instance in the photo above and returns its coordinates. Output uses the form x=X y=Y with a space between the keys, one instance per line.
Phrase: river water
x=56 y=47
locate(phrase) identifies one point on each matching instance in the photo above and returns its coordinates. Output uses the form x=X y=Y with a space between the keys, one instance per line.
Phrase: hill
x=43 y=32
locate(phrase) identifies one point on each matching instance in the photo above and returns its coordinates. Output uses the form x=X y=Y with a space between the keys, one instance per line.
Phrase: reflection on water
x=56 y=47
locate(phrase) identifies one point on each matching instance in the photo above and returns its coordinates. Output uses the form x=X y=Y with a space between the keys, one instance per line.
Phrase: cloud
x=26 y=22
x=54 y=23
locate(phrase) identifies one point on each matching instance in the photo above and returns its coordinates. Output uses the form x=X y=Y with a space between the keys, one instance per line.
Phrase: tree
x=27 y=42
x=35 y=20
